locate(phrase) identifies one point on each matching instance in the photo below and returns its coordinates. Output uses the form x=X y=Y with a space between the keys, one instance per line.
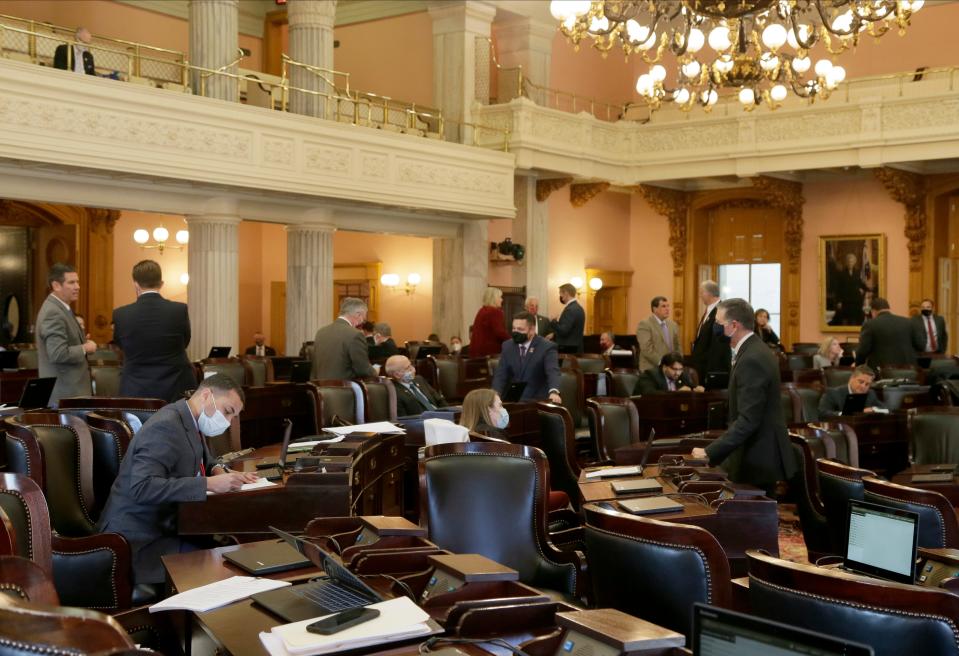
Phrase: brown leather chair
x=837 y=376
x=623 y=382
x=140 y=409
x=805 y=348
x=232 y=367
x=791 y=404
x=490 y=498
x=571 y=391
x=338 y=398
x=934 y=435
x=558 y=441
x=838 y=483
x=796 y=361
x=379 y=398
x=812 y=513
x=654 y=570
x=568 y=361
x=261 y=421
x=616 y=424
x=23 y=579
x=835 y=442
x=447 y=374
x=105 y=379
x=907 y=371
x=809 y=395
x=259 y=370
x=892 y=618
x=938 y=526
x=591 y=363
x=808 y=377
x=110 y=436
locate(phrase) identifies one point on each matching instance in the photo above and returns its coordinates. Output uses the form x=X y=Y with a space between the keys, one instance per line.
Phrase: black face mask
x=561 y=301
x=927 y=313
x=520 y=338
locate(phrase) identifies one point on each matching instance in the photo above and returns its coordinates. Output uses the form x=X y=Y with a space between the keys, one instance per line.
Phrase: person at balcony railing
x=76 y=57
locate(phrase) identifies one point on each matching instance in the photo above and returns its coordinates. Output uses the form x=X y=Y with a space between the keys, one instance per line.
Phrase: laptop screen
x=881 y=541
x=719 y=632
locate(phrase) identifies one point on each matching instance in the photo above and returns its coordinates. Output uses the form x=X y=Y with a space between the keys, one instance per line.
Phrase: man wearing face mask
x=528 y=358
x=456 y=345
x=568 y=328
x=931 y=328
x=383 y=344
x=414 y=396
x=169 y=463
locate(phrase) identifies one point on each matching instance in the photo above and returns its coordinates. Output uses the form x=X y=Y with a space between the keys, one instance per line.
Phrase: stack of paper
x=214 y=595
x=261 y=483
x=375 y=427
x=399 y=619
x=444 y=431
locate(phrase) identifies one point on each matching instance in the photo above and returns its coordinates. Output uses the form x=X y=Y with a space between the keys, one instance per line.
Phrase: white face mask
x=212 y=426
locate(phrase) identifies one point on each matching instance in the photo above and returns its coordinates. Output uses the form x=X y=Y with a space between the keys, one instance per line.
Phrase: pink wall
x=651 y=258
x=262 y=252
x=127 y=252
x=586 y=73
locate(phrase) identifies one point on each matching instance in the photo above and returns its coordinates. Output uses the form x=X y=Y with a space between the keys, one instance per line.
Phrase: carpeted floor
x=791 y=545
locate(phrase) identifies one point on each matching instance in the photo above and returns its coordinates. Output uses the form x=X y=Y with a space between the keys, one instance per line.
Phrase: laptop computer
x=9 y=360
x=270 y=557
x=881 y=541
x=341 y=590
x=650 y=505
x=514 y=392
x=426 y=351
x=300 y=371
x=854 y=404
x=645 y=485
x=36 y=393
x=716 y=380
x=272 y=470
x=720 y=632
x=220 y=351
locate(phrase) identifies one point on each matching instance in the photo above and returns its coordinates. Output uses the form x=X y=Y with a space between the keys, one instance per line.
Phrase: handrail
x=222 y=69
x=316 y=70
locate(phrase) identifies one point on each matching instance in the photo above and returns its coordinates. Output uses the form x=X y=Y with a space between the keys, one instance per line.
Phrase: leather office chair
x=808 y=377
x=490 y=498
x=261 y=421
x=568 y=361
x=23 y=579
x=809 y=396
x=838 y=483
x=938 y=526
x=231 y=367
x=812 y=513
x=28 y=359
x=623 y=382
x=493 y=363
x=559 y=444
x=835 y=442
x=105 y=379
x=110 y=437
x=259 y=370
x=591 y=363
x=791 y=404
x=654 y=570
x=892 y=618
x=447 y=374
x=616 y=424
x=796 y=361
x=379 y=398
x=571 y=391
x=142 y=409
x=341 y=399
x=907 y=371
x=934 y=435
x=805 y=348
x=837 y=376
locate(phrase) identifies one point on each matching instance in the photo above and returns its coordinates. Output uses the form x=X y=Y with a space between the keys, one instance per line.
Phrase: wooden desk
x=949 y=490
x=679 y=413
x=883 y=441
x=12 y=384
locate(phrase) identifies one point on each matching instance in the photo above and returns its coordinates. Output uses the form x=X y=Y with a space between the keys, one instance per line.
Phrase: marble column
x=460 y=274
x=531 y=229
x=528 y=43
x=309 y=282
x=214 y=43
x=311 y=42
x=213 y=291
x=458 y=26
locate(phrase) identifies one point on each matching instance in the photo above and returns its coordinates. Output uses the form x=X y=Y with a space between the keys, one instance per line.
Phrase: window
x=757 y=283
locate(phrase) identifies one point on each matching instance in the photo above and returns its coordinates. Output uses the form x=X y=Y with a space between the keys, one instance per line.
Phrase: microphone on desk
x=233 y=455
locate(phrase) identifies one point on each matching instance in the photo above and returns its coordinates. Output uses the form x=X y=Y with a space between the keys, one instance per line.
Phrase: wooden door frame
x=369 y=272
x=611 y=280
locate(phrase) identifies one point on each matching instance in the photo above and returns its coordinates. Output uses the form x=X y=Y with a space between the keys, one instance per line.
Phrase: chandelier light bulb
x=161 y=234
x=709 y=97
x=182 y=236
x=696 y=40
x=595 y=284
x=804 y=32
x=560 y=9
x=801 y=64
x=915 y=5
x=724 y=64
x=774 y=36
x=658 y=73
x=141 y=236
x=747 y=96
x=570 y=23
x=719 y=38
x=644 y=85
x=681 y=96
x=650 y=43
x=843 y=22
x=635 y=32
x=414 y=279
x=599 y=24
x=184 y=278
x=823 y=66
x=769 y=61
x=839 y=72
x=778 y=93
x=691 y=69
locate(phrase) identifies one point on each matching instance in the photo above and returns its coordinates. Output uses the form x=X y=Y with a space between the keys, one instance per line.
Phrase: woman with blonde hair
x=828 y=354
x=489 y=326
x=483 y=413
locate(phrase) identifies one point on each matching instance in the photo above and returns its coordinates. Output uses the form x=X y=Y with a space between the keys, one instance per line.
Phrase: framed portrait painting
x=852 y=270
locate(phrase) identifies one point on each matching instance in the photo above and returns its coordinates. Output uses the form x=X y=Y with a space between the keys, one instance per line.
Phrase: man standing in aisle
x=711 y=348
x=658 y=335
x=931 y=327
x=568 y=328
x=339 y=349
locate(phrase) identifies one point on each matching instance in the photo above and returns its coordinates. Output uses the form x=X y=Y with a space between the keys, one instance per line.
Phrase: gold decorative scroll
x=674 y=205
x=909 y=189
x=545 y=187
x=580 y=194
x=787 y=196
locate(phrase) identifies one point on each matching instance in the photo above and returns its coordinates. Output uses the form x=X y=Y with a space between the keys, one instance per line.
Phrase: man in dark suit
x=669 y=376
x=339 y=349
x=76 y=57
x=153 y=334
x=711 y=348
x=542 y=323
x=383 y=344
x=887 y=338
x=260 y=347
x=860 y=382
x=568 y=328
x=414 y=395
x=528 y=358
x=755 y=449
x=167 y=464
x=931 y=328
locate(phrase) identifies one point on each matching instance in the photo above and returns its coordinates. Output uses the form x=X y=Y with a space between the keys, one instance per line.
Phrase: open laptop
x=428 y=350
x=642 y=485
x=881 y=541
x=716 y=380
x=9 y=360
x=300 y=371
x=341 y=590
x=514 y=392
x=220 y=351
x=271 y=556
x=36 y=393
x=272 y=470
x=720 y=632
x=854 y=404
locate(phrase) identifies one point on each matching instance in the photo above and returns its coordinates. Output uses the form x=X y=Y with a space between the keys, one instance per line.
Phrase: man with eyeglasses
x=669 y=376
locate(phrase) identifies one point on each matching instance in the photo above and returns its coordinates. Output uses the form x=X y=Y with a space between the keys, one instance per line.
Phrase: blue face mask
x=502 y=421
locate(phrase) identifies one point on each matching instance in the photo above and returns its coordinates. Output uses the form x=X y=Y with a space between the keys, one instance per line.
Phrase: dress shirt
x=735 y=349
x=709 y=308
x=78 y=59
x=66 y=305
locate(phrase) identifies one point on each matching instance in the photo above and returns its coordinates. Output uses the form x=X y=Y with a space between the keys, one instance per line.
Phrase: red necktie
x=932 y=335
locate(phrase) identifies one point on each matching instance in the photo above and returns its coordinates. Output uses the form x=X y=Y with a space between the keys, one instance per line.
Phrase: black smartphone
x=343 y=620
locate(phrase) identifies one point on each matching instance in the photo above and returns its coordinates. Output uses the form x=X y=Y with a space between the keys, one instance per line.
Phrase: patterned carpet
x=791 y=545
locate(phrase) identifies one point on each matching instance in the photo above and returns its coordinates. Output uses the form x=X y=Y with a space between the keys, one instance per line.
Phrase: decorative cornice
x=909 y=189
x=546 y=187
x=674 y=205
x=580 y=194
x=786 y=195
x=102 y=219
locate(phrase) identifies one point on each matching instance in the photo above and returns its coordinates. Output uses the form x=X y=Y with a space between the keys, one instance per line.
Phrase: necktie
x=522 y=352
x=932 y=335
x=702 y=320
x=421 y=397
x=670 y=384
x=666 y=336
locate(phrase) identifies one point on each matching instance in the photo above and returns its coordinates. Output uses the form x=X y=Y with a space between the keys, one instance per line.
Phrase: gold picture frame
x=852 y=269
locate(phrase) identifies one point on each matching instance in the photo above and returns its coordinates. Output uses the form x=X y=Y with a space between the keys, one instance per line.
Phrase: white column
x=456 y=26
x=311 y=42
x=309 y=282
x=525 y=42
x=214 y=43
x=460 y=275
x=531 y=229
x=213 y=291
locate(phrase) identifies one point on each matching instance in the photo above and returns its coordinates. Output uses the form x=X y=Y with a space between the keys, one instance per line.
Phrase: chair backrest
x=652 y=569
x=835 y=442
x=791 y=404
x=259 y=370
x=934 y=435
x=338 y=398
x=623 y=382
x=838 y=483
x=892 y=618
x=568 y=361
x=231 y=367
x=447 y=374
x=938 y=526
x=23 y=579
x=30 y=629
x=490 y=498
x=809 y=396
x=142 y=409
x=837 y=376
x=805 y=348
x=907 y=371
x=591 y=363
x=28 y=359
x=56 y=451
x=110 y=436
x=21 y=500
x=812 y=514
x=379 y=398
x=558 y=440
x=493 y=363
x=795 y=361
x=571 y=391
x=261 y=420
x=616 y=424
x=849 y=349
x=105 y=379
x=808 y=377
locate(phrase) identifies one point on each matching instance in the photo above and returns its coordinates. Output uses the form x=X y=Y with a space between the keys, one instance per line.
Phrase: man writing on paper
x=169 y=463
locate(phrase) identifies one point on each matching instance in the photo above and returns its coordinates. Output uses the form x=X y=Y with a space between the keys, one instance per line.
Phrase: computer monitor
x=300 y=371
x=220 y=351
x=719 y=632
x=881 y=541
x=854 y=404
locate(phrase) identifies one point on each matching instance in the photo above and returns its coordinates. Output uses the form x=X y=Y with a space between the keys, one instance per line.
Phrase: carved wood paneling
x=909 y=189
x=674 y=205
x=580 y=194
x=546 y=187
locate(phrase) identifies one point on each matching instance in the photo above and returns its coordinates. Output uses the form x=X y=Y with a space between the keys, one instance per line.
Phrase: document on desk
x=214 y=595
x=399 y=619
x=375 y=427
x=260 y=483
x=611 y=472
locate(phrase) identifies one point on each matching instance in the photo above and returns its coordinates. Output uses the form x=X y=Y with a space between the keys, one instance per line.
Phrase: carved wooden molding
x=909 y=189
x=102 y=219
x=580 y=194
x=674 y=205
x=545 y=187
x=787 y=196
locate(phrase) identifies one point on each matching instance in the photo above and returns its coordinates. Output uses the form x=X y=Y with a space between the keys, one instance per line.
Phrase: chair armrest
x=150 y=630
x=573 y=557
x=27 y=580
x=93 y=571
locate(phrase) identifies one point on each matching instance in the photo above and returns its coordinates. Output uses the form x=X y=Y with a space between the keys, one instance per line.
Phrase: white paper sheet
x=214 y=595
x=609 y=472
x=375 y=427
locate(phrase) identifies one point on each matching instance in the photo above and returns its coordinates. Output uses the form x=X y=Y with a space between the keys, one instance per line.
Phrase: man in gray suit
x=168 y=463
x=62 y=346
x=339 y=350
x=887 y=338
x=657 y=335
x=542 y=323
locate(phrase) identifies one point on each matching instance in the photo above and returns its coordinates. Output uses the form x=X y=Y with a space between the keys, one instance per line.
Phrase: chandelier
x=760 y=47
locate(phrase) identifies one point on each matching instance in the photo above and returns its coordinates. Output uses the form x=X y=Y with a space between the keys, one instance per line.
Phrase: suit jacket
x=407 y=404
x=542 y=326
x=154 y=333
x=539 y=369
x=384 y=350
x=833 y=400
x=652 y=344
x=711 y=351
x=889 y=339
x=267 y=350
x=942 y=337
x=159 y=470
x=63 y=59
x=568 y=329
x=755 y=449
x=652 y=381
x=60 y=350
x=340 y=352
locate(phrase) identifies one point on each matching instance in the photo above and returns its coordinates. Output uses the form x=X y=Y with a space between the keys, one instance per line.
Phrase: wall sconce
x=576 y=282
x=392 y=282
x=160 y=236
x=595 y=283
x=185 y=278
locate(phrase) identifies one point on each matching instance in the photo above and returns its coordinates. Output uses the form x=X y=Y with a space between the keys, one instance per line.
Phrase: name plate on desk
x=607 y=631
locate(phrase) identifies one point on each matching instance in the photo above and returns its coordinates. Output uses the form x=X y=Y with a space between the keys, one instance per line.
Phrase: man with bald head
x=542 y=322
x=414 y=396
x=76 y=57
